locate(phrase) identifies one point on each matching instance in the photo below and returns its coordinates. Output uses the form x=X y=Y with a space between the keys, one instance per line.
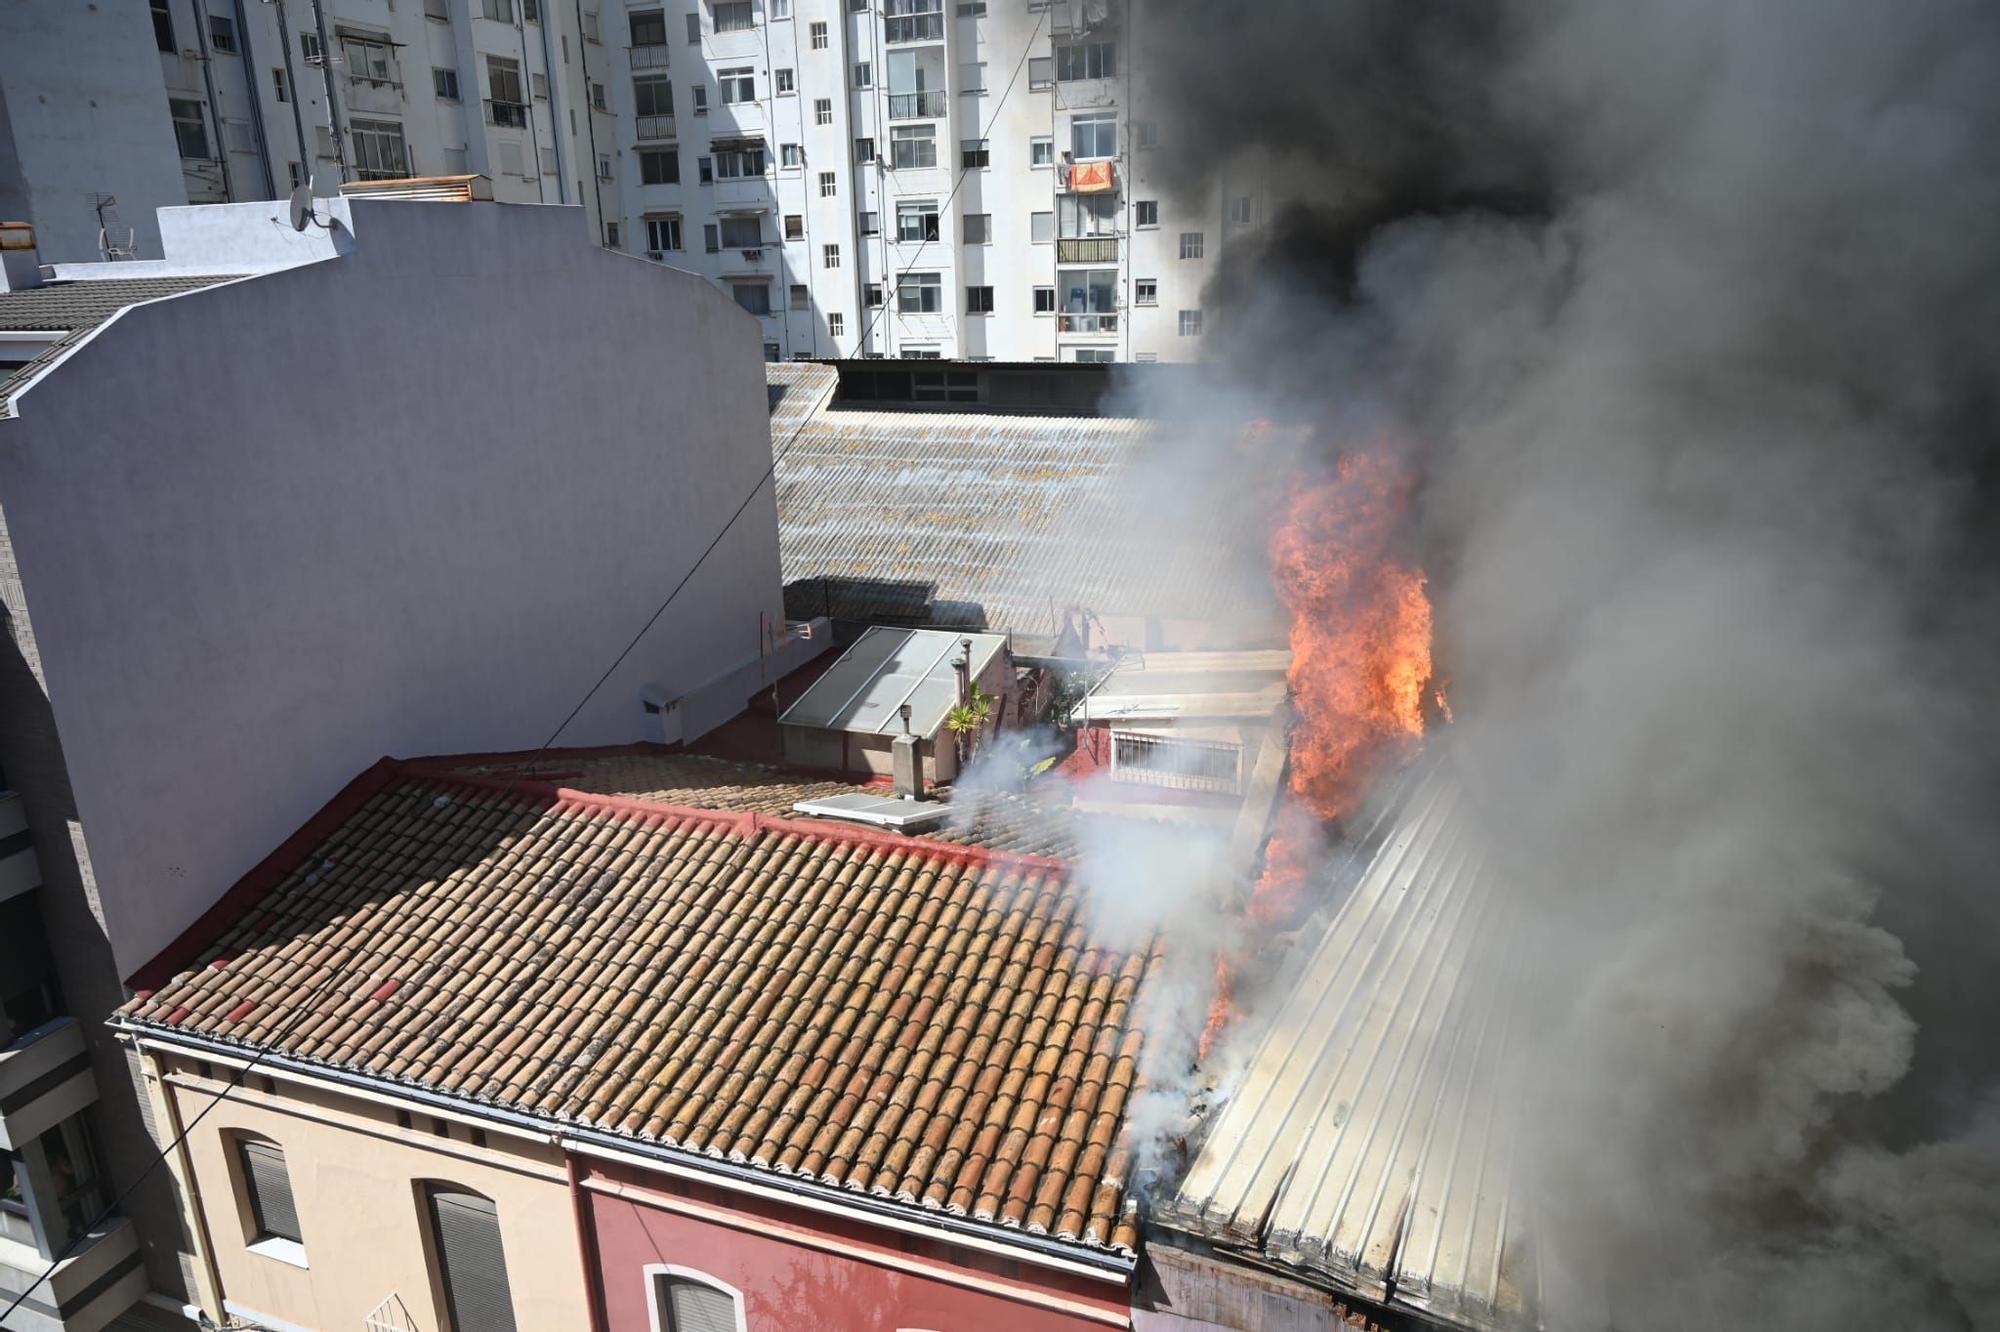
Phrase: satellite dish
x=302 y=208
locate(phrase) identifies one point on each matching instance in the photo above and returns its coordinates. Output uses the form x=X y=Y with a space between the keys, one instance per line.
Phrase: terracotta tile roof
x=923 y=1022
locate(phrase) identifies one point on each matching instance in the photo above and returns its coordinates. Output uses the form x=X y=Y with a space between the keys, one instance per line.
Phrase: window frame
x=260 y=1236
x=428 y=1193
x=1047 y=142
x=650 y=1275
x=222 y=35
x=1140 y=294
x=1097 y=123
x=198 y=121
x=669 y=177
x=1075 y=59
x=816 y=34
x=1194 y=245
x=928 y=286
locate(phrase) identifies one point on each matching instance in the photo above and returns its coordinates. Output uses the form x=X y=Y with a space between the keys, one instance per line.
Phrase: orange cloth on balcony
x=1090 y=177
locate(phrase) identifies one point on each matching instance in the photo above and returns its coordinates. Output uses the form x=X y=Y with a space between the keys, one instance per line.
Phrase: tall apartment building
x=806 y=154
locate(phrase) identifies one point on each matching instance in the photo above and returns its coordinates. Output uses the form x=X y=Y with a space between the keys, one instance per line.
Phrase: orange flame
x=1360 y=674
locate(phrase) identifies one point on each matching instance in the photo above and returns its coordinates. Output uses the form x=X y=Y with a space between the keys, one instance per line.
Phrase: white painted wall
x=83 y=114
x=376 y=504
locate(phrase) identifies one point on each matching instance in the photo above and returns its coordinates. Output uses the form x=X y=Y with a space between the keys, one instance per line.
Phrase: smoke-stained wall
x=1688 y=310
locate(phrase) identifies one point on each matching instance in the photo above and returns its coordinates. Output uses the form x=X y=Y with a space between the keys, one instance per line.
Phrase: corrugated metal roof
x=983 y=519
x=1369 y=1140
x=885 y=669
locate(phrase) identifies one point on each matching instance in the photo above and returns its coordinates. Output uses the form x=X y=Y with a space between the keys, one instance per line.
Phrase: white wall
x=411 y=500
x=83 y=113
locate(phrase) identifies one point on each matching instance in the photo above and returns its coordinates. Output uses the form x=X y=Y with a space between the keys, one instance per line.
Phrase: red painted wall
x=791 y=1286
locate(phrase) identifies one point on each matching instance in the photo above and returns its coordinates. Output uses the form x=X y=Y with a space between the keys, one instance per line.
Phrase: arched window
x=272 y=1226
x=472 y=1267
x=681 y=1299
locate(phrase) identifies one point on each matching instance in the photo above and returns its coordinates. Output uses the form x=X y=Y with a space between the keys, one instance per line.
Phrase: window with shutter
x=472 y=1268
x=269 y=1187
x=685 y=1302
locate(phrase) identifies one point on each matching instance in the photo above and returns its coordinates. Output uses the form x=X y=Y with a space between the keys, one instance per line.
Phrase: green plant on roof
x=967 y=719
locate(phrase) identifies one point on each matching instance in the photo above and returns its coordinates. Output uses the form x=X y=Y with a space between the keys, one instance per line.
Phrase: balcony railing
x=914 y=28
x=649 y=57
x=655 y=127
x=1087 y=323
x=45 y=1076
x=507 y=113
x=917 y=106
x=1087 y=250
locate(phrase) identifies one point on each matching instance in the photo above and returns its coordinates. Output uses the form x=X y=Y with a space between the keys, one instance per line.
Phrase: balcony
x=45 y=1078
x=1087 y=250
x=651 y=128
x=918 y=106
x=648 y=57
x=96 y=1281
x=512 y=114
x=1087 y=323
x=20 y=872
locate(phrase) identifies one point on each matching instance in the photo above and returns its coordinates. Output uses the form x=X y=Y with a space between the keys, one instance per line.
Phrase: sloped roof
x=927 y=1023
x=65 y=305
x=1368 y=1140
x=977 y=519
x=886 y=668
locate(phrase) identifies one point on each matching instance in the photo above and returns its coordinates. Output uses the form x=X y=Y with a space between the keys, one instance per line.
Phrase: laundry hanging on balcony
x=1089 y=177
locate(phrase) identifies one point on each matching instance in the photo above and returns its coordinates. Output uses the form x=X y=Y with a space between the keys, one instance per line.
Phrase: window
x=657 y=167
x=920 y=293
x=1146 y=291
x=972 y=8
x=785 y=81
x=734 y=16
x=309 y=47
x=974 y=155
x=501 y=11
x=739 y=160
x=379 y=153
x=1041 y=73
x=1146 y=213
x=795 y=226
x=444 y=82
x=1095 y=355
x=913 y=20
x=268 y=1187
x=1086 y=215
x=979 y=300
x=711 y=238
x=648 y=29
x=752 y=296
x=826 y=186
x=857 y=6
x=222 y=33
x=1086 y=60
x=1041 y=228
x=700 y=94
x=801 y=300
x=829 y=256
x=438 y=9
x=540 y=83
x=465 y=1234
x=864 y=75
x=864 y=150
x=685 y=1301
x=189 y=128
x=653 y=101
x=1190 y=323
x=295 y=173
x=694 y=29
x=822 y=110
x=279 y=88
x=1239 y=210
x=976 y=229
x=1045 y=300
x=1089 y=291
x=872 y=293
x=1191 y=243
x=836 y=324
x=972 y=77
x=163 y=26
x=742 y=233
x=871 y=223
x=597 y=100
x=818 y=33
x=663 y=233
x=1146 y=133
x=704 y=168
x=913 y=146
x=611 y=235
x=369 y=59
x=791 y=155
x=1145 y=358
x=503 y=85
x=1041 y=151
x=779 y=9
x=512 y=162
x=917 y=220
x=1094 y=137
x=738 y=85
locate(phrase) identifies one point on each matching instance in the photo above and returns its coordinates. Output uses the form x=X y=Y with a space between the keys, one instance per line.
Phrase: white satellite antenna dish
x=305 y=210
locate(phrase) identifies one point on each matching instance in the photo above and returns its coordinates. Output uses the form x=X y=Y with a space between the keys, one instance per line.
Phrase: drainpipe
x=256 y=102
x=326 y=77
x=555 y=104
x=208 y=1280
x=586 y=1244
x=294 y=95
x=214 y=103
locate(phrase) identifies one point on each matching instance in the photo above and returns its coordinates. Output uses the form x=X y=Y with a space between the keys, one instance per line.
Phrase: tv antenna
x=305 y=210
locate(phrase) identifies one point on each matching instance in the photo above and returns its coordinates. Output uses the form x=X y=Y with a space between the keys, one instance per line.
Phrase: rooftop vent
x=877 y=811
